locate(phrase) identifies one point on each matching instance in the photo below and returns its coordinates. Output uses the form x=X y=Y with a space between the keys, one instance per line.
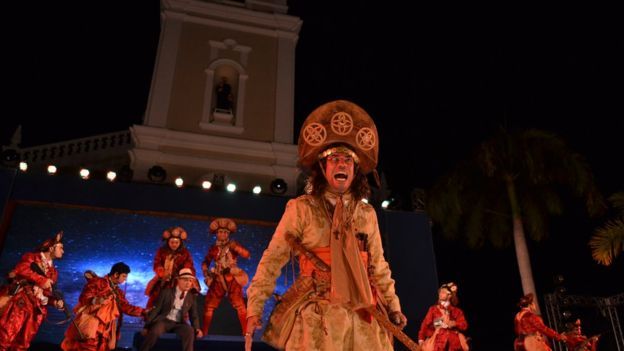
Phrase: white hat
x=186 y=273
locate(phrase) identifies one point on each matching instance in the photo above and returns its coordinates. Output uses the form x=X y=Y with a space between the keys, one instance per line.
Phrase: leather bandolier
x=314 y=284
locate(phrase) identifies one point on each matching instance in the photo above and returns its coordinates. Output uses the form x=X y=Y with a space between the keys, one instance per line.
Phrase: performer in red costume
x=30 y=294
x=531 y=332
x=170 y=259
x=99 y=312
x=224 y=278
x=442 y=326
x=576 y=341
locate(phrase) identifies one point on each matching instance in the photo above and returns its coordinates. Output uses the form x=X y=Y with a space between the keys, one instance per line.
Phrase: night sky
x=437 y=81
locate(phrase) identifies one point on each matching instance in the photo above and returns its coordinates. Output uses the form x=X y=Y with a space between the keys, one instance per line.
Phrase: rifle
x=295 y=243
x=58 y=295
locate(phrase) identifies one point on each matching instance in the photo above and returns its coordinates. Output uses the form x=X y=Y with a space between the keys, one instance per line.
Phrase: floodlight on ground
x=52 y=169
x=231 y=187
x=385 y=204
x=206 y=184
x=257 y=189
x=23 y=166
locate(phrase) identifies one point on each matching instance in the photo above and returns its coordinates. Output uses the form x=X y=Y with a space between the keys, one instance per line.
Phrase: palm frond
x=608 y=241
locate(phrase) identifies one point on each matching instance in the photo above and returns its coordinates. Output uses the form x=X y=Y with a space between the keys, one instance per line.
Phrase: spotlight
x=279 y=186
x=206 y=184
x=51 y=169
x=23 y=166
x=385 y=204
x=231 y=187
x=10 y=158
x=257 y=189
x=111 y=176
x=179 y=182
x=125 y=173
x=157 y=174
x=365 y=200
x=84 y=173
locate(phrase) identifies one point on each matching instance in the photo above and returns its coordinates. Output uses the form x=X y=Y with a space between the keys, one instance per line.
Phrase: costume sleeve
x=275 y=257
x=426 y=327
x=126 y=307
x=381 y=270
x=92 y=289
x=159 y=268
x=460 y=320
x=23 y=270
x=239 y=249
x=537 y=323
x=207 y=261
x=193 y=314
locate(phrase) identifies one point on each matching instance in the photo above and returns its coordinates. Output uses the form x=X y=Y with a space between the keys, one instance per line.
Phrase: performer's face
x=57 y=251
x=223 y=234
x=339 y=172
x=119 y=278
x=174 y=243
x=185 y=283
x=444 y=294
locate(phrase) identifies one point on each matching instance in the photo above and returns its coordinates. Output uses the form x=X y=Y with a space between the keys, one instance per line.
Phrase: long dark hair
x=316 y=183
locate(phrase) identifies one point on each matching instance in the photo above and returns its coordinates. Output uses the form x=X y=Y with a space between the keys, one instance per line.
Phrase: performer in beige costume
x=338 y=146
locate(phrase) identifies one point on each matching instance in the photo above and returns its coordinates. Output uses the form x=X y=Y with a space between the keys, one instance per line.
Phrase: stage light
x=23 y=166
x=231 y=187
x=111 y=176
x=179 y=182
x=206 y=184
x=10 y=158
x=257 y=189
x=84 y=173
x=385 y=204
x=279 y=186
x=52 y=169
x=365 y=200
x=157 y=174
x=125 y=174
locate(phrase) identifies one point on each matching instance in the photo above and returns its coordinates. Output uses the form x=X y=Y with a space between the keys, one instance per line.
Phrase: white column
x=285 y=87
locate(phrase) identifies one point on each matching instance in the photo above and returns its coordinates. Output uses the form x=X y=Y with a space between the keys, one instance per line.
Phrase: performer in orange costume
x=30 y=294
x=99 y=312
x=530 y=329
x=170 y=259
x=576 y=341
x=224 y=278
x=443 y=323
x=338 y=147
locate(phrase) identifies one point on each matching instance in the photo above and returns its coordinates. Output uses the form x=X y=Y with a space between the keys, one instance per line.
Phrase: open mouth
x=341 y=176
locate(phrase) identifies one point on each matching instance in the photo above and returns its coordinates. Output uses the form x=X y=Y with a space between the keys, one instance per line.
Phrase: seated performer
x=224 y=278
x=99 y=312
x=169 y=259
x=25 y=301
x=440 y=330
x=173 y=307
x=576 y=341
x=530 y=330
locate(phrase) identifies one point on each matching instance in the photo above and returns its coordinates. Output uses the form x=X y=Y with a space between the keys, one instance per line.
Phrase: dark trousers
x=184 y=331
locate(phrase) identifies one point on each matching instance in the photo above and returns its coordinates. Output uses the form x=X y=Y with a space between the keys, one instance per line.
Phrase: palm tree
x=507 y=189
x=608 y=240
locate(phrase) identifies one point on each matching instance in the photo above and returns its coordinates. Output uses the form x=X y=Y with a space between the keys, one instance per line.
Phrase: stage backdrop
x=109 y=222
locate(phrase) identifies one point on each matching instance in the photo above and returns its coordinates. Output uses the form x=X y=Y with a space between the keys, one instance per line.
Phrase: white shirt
x=175 y=314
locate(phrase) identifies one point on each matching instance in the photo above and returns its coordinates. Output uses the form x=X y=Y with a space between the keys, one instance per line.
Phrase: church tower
x=221 y=101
